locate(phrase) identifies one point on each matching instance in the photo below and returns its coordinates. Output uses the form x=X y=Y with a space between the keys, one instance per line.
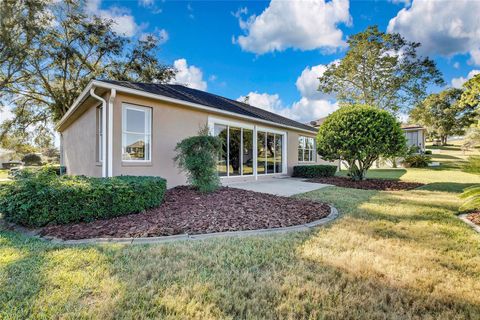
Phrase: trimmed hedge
x=44 y=198
x=314 y=171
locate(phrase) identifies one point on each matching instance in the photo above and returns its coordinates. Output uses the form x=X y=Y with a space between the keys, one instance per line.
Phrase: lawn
x=395 y=255
x=3 y=174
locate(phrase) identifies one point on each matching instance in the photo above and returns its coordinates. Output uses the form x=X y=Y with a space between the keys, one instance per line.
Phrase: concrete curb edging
x=463 y=217
x=152 y=240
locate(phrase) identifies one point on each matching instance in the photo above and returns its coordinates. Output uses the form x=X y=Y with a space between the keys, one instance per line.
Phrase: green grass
x=390 y=255
x=3 y=174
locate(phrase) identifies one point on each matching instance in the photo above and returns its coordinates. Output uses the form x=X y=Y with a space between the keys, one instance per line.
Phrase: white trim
x=172 y=100
x=104 y=125
x=227 y=122
x=148 y=130
x=255 y=155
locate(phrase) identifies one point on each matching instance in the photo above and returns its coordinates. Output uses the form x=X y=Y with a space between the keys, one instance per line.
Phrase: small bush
x=44 y=198
x=417 y=161
x=21 y=173
x=314 y=171
x=473 y=165
x=428 y=151
x=197 y=156
x=360 y=135
x=32 y=159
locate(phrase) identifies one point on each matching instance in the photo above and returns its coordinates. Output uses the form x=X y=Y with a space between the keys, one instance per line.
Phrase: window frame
x=147 y=135
x=303 y=148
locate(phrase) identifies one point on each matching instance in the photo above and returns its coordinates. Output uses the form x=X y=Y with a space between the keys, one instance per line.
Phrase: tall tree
x=443 y=114
x=382 y=70
x=69 y=49
x=471 y=93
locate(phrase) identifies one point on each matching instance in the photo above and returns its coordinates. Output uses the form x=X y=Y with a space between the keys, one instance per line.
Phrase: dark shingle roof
x=183 y=93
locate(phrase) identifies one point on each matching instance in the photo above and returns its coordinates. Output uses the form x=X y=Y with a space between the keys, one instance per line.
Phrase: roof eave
x=107 y=85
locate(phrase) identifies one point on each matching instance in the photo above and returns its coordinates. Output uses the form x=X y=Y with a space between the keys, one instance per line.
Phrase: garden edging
x=152 y=240
x=463 y=217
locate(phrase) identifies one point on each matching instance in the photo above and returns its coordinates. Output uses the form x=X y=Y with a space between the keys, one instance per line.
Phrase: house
x=125 y=128
x=414 y=133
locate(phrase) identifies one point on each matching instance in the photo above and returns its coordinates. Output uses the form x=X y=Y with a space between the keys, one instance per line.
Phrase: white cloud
x=456 y=65
x=269 y=102
x=124 y=22
x=299 y=24
x=458 y=82
x=5 y=114
x=311 y=106
x=161 y=35
x=190 y=76
x=404 y=2
x=146 y=3
x=442 y=27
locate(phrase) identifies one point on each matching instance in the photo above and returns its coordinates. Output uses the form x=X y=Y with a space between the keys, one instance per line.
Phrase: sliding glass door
x=237 y=156
x=269 y=153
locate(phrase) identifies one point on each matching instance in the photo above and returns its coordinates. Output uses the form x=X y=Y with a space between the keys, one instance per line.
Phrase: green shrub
x=428 y=152
x=417 y=160
x=45 y=198
x=197 y=156
x=359 y=135
x=473 y=165
x=314 y=171
x=21 y=173
x=32 y=159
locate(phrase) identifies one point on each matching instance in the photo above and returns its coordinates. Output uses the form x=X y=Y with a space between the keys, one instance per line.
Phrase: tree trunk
x=444 y=140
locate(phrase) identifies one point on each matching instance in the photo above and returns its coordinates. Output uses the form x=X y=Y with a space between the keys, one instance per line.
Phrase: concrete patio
x=285 y=186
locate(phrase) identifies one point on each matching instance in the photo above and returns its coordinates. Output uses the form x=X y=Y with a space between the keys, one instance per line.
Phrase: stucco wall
x=80 y=143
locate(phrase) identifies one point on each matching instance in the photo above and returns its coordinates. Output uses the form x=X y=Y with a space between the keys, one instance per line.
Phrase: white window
x=136 y=133
x=99 y=134
x=306 y=149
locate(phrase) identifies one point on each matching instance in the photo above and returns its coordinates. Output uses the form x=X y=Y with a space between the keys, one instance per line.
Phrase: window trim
x=148 y=133
x=304 y=148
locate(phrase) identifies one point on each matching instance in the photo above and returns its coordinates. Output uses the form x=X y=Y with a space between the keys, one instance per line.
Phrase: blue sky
x=273 y=51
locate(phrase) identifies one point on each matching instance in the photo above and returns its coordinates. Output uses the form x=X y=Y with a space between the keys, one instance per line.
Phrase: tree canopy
x=51 y=54
x=443 y=114
x=382 y=70
x=359 y=135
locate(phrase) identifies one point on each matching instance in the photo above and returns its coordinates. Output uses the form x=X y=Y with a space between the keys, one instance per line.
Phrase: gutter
x=104 y=133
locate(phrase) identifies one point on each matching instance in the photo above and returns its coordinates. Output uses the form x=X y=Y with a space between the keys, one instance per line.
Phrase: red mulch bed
x=474 y=217
x=369 y=184
x=188 y=211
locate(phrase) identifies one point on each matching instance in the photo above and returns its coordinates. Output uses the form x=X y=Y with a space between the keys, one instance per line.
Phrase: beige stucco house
x=415 y=135
x=124 y=128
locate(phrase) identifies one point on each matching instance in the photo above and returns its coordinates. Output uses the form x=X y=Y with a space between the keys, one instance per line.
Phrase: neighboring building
x=124 y=128
x=415 y=135
x=316 y=123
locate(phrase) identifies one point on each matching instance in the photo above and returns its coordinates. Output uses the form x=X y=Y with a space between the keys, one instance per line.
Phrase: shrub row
x=314 y=171
x=44 y=198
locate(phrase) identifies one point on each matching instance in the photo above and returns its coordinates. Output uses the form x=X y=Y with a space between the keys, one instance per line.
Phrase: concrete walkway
x=278 y=186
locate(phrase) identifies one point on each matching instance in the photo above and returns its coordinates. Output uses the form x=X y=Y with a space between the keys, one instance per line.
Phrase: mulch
x=187 y=211
x=474 y=217
x=369 y=184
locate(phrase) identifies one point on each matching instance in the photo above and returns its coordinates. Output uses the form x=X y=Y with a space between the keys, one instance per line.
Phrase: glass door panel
x=261 y=152
x=270 y=153
x=247 y=161
x=278 y=153
x=222 y=132
x=235 y=149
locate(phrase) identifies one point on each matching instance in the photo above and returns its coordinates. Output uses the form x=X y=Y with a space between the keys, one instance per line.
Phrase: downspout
x=104 y=125
x=111 y=100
